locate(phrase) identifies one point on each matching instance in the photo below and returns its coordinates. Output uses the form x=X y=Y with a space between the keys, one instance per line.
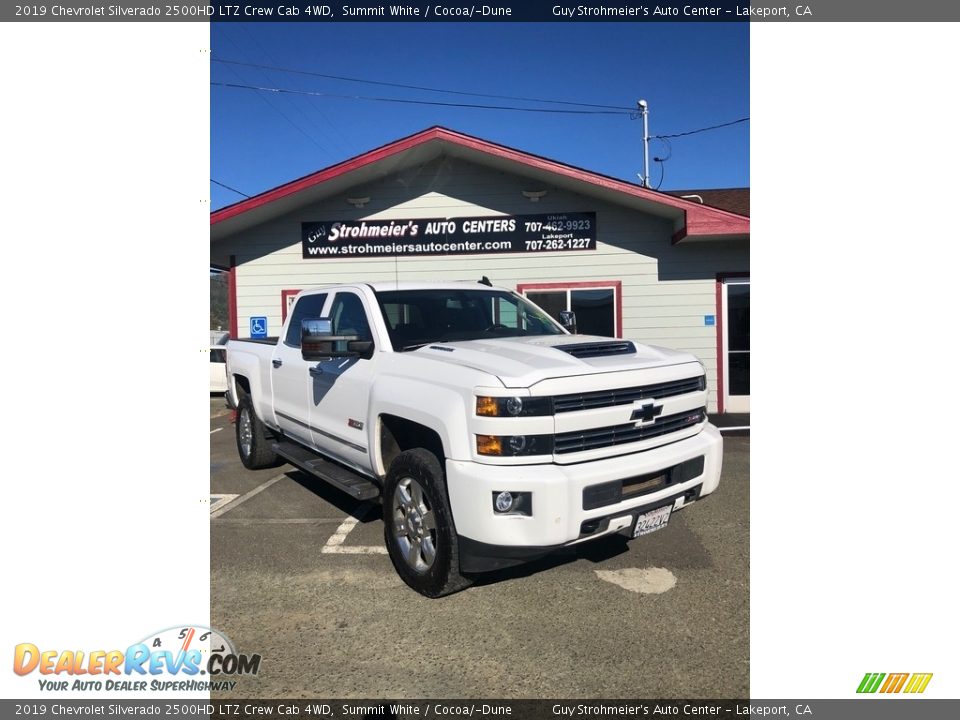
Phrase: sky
x=692 y=75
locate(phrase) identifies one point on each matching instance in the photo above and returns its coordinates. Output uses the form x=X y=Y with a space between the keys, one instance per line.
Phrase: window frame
x=615 y=285
x=326 y=295
x=723 y=391
x=285 y=303
x=370 y=318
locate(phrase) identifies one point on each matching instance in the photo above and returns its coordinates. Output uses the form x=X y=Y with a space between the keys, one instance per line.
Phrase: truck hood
x=522 y=362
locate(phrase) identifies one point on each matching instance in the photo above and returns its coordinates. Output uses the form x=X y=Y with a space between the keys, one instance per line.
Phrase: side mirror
x=317 y=341
x=568 y=319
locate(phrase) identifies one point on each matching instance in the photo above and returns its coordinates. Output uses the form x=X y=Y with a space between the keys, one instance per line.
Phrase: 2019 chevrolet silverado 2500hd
x=490 y=434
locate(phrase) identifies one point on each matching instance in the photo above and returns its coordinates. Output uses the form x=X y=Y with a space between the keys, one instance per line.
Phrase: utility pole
x=644 y=113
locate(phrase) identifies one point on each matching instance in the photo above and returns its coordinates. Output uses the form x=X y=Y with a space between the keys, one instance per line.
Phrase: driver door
x=290 y=373
x=340 y=388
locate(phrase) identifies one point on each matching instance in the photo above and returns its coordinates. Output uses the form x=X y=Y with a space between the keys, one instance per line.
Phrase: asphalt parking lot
x=299 y=575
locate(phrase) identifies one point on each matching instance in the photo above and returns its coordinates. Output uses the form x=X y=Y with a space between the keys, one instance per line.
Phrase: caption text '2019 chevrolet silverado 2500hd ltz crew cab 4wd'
x=490 y=434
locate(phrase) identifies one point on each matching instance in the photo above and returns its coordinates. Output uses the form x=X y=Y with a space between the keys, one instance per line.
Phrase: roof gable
x=692 y=220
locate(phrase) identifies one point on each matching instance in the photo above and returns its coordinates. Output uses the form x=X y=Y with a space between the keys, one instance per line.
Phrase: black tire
x=255 y=453
x=410 y=533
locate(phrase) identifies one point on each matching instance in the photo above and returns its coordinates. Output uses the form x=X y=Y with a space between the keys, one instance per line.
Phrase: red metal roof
x=736 y=200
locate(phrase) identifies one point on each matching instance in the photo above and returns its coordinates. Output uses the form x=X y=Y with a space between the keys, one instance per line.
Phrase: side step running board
x=353 y=484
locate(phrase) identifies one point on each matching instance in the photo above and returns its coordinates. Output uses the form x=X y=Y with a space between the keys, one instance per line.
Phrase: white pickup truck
x=490 y=434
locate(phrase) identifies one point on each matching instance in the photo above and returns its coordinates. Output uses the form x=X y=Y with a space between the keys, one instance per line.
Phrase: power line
x=419 y=87
x=294 y=102
x=276 y=108
x=424 y=102
x=227 y=187
x=694 y=132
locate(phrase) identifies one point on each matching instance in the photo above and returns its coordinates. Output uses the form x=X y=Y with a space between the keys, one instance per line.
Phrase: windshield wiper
x=405 y=348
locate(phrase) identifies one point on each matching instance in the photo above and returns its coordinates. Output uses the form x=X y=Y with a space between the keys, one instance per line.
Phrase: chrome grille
x=625 y=396
x=580 y=440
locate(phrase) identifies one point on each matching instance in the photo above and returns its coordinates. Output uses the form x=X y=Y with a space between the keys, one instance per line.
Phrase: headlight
x=514 y=406
x=514 y=445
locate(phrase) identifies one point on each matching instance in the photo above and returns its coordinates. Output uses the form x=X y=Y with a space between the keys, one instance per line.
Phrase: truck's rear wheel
x=253 y=439
x=418 y=525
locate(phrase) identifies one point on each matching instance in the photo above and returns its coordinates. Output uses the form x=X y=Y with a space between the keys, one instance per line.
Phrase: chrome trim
x=311 y=428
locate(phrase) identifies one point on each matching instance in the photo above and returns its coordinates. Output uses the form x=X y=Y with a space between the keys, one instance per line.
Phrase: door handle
x=277 y=363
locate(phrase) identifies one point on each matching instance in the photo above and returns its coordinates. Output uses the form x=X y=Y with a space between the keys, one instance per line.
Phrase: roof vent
x=599 y=349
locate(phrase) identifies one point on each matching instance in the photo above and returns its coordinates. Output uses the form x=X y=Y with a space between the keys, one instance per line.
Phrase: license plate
x=652 y=521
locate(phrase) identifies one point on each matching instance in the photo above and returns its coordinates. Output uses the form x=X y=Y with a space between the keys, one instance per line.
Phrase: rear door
x=290 y=373
x=340 y=387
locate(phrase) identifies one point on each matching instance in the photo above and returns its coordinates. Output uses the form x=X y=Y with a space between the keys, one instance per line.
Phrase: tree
x=219 y=302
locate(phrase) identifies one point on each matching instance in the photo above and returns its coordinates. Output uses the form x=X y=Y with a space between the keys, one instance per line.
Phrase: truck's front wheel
x=253 y=440
x=418 y=525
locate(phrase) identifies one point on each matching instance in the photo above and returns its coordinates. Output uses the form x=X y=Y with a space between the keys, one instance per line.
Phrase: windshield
x=420 y=317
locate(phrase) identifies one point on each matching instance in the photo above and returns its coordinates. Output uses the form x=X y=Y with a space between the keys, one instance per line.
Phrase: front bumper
x=558 y=516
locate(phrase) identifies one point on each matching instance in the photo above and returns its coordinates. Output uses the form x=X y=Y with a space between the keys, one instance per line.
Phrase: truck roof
x=386 y=286
x=414 y=285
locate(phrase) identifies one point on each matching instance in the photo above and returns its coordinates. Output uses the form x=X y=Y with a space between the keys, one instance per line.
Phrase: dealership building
x=661 y=268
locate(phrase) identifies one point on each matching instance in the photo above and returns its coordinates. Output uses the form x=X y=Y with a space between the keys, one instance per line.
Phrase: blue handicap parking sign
x=258 y=327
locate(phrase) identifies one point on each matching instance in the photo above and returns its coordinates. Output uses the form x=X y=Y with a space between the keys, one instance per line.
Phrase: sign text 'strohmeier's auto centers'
x=553 y=232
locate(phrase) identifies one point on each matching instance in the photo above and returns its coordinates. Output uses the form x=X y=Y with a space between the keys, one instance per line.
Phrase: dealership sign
x=554 y=232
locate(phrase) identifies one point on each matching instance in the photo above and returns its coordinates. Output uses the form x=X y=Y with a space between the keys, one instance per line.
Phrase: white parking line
x=215 y=430
x=246 y=496
x=335 y=543
x=277 y=521
x=221 y=499
x=355 y=549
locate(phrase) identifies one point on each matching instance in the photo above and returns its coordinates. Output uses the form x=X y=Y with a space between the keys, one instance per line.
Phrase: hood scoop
x=599 y=349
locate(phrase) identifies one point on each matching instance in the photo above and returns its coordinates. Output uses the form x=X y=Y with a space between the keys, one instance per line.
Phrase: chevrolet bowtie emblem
x=646 y=413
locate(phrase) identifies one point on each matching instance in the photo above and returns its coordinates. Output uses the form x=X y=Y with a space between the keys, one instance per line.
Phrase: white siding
x=667 y=289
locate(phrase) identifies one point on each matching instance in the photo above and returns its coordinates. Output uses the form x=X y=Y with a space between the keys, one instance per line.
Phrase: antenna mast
x=644 y=113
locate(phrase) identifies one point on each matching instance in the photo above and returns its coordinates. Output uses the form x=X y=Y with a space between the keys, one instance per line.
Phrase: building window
x=597 y=304
x=287 y=298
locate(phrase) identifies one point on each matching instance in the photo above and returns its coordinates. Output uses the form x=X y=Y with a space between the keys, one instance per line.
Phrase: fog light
x=504 y=502
x=512 y=503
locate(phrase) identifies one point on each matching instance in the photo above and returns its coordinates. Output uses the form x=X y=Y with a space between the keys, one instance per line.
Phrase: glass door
x=736 y=345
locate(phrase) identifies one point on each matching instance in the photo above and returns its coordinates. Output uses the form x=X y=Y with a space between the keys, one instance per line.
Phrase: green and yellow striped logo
x=894 y=682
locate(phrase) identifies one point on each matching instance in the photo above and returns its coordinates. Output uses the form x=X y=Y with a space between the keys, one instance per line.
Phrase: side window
x=349 y=318
x=306 y=306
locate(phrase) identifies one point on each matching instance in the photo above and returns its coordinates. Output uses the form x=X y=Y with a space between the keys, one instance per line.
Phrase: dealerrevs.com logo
x=183 y=659
x=911 y=683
